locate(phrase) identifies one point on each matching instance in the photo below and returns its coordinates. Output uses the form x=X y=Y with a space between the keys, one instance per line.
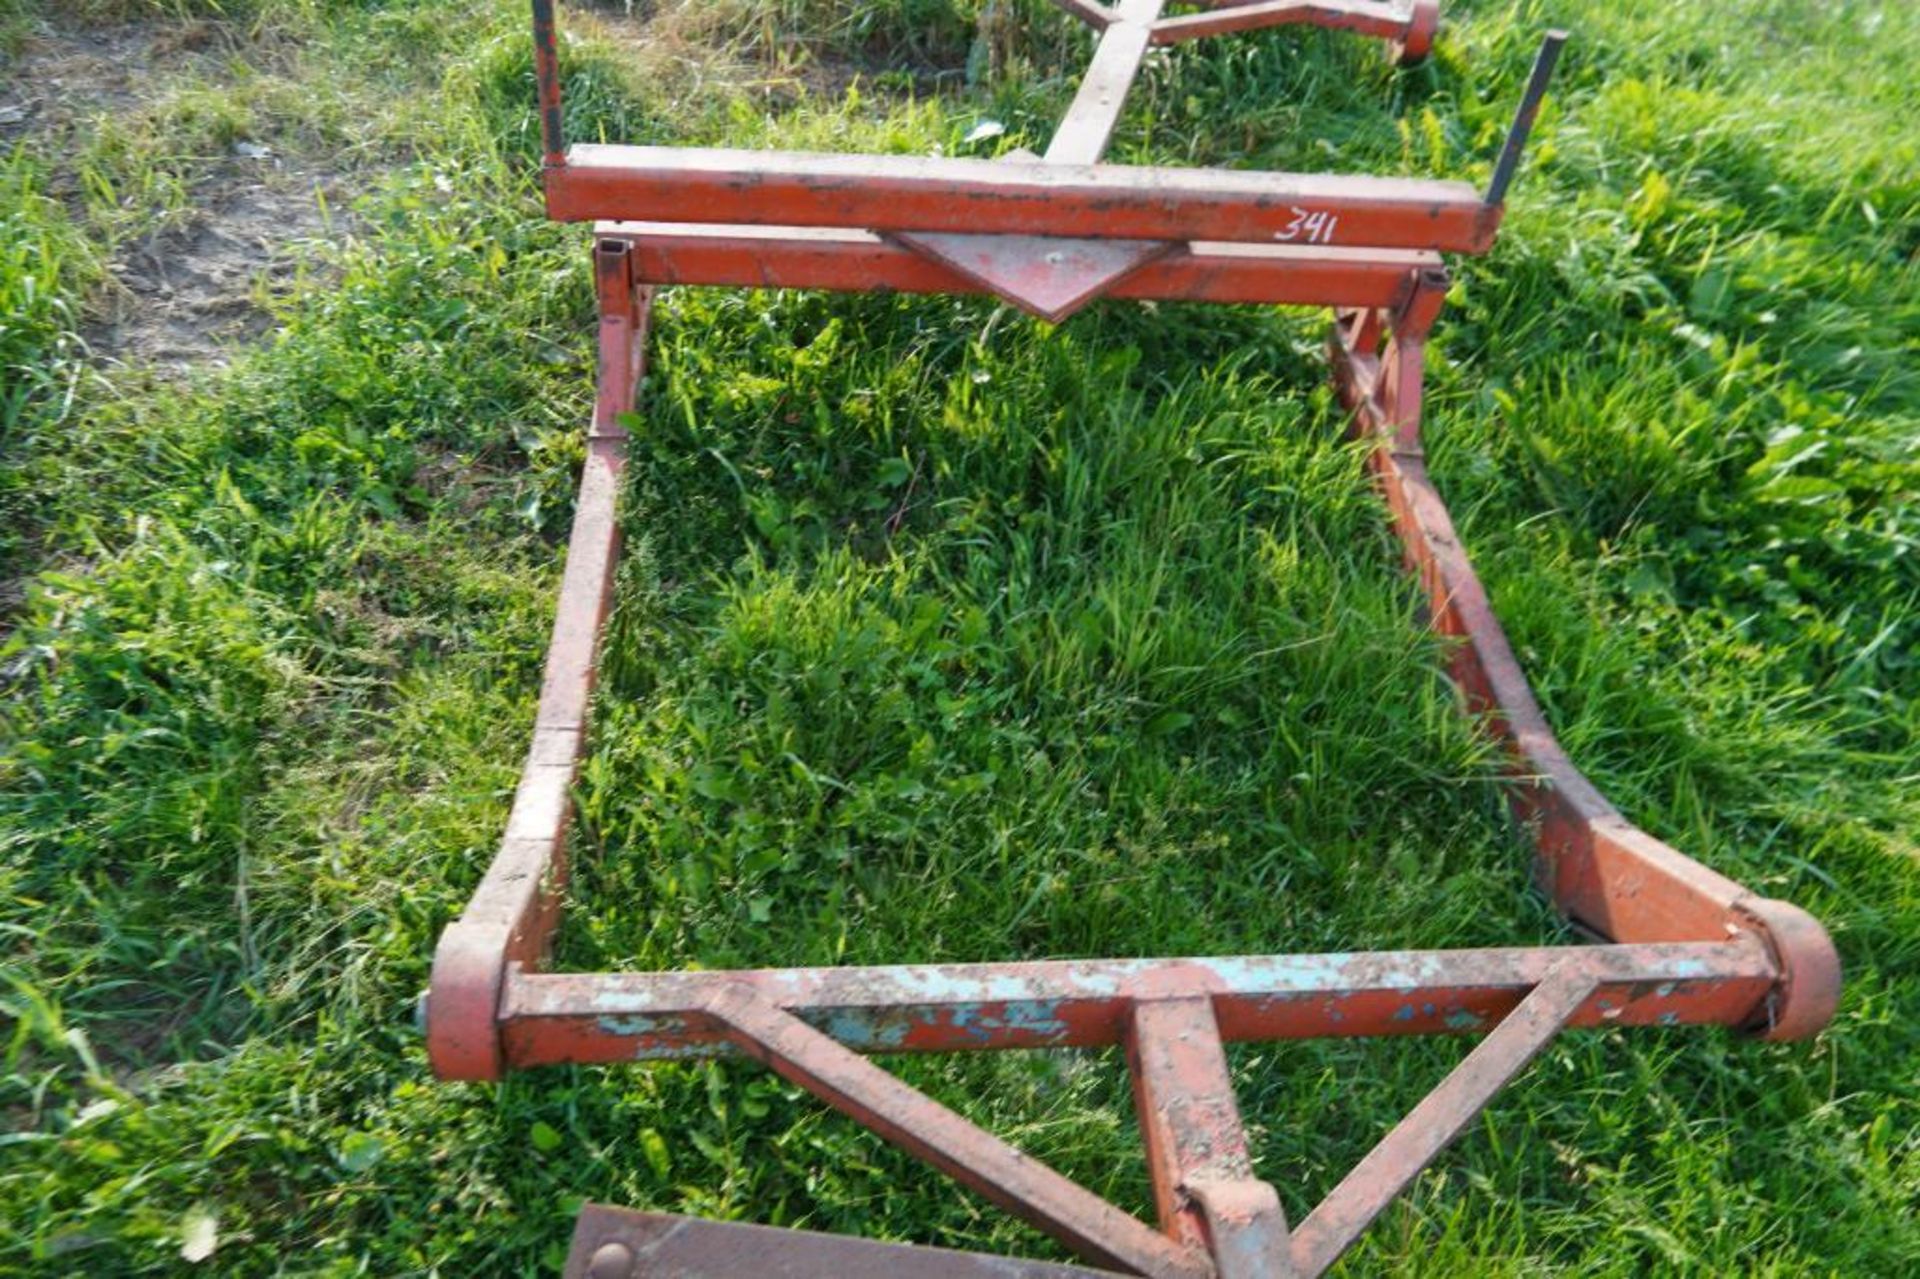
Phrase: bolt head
x=611 y=1261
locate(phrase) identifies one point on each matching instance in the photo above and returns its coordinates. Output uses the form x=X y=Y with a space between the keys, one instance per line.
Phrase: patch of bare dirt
x=187 y=294
x=67 y=74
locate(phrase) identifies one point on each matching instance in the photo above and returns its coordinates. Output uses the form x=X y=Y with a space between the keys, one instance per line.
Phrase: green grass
x=946 y=635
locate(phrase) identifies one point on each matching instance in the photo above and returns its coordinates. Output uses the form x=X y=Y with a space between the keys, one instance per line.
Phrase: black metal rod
x=546 y=76
x=1543 y=64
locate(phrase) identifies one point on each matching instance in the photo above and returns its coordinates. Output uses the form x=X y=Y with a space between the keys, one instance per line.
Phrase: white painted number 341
x=1309 y=228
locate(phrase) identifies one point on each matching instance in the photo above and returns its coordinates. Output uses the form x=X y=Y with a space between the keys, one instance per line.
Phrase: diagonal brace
x=1074 y=1215
x=1442 y=1114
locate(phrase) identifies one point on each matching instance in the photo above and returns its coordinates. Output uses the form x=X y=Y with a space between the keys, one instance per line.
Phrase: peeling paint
x=861 y=1029
x=638 y=1024
x=1031 y=1018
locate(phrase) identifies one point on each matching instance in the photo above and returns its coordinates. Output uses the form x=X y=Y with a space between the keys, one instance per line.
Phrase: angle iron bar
x=546 y=77
x=1524 y=115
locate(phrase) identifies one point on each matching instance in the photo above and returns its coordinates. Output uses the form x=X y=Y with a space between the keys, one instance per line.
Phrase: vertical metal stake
x=1522 y=128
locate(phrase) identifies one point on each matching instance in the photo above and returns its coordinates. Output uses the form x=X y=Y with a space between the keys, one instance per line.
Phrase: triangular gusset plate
x=1048 y=276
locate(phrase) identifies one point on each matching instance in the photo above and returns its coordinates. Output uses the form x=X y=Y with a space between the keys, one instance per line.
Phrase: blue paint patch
x=1669 y=1019
x=653 y=1050
x=859 y=1029
x=1037 y=1018
x=658 y=1038
x=1464 y=1020
x=1403 y=1013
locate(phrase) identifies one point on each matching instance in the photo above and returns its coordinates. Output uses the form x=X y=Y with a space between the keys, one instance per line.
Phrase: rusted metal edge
x=922 y=193
x=548 y=1018
x=516 y=907
x=1592 y=862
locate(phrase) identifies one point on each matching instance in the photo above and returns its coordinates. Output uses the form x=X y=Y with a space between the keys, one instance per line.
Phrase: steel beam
x=860 y=261
x=547 y=1018
x=924 y=193
x=1082 y=135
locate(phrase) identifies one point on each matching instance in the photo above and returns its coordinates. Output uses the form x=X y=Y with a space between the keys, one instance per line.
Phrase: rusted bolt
x=611 y=1261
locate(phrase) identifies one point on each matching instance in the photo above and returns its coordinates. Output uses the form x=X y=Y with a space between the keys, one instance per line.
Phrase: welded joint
x=1394 y=390
x=915 y=1122
x=1420 y=307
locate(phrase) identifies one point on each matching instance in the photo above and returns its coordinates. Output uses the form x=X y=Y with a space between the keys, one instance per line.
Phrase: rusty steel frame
x=1681 y=944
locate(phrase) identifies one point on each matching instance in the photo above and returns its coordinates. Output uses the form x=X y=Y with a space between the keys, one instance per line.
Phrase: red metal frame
x=1683 y=944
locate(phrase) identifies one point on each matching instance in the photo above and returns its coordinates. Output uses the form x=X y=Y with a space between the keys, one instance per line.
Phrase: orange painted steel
x=857 y=261
x=1013 y=197
x=1684 y=944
